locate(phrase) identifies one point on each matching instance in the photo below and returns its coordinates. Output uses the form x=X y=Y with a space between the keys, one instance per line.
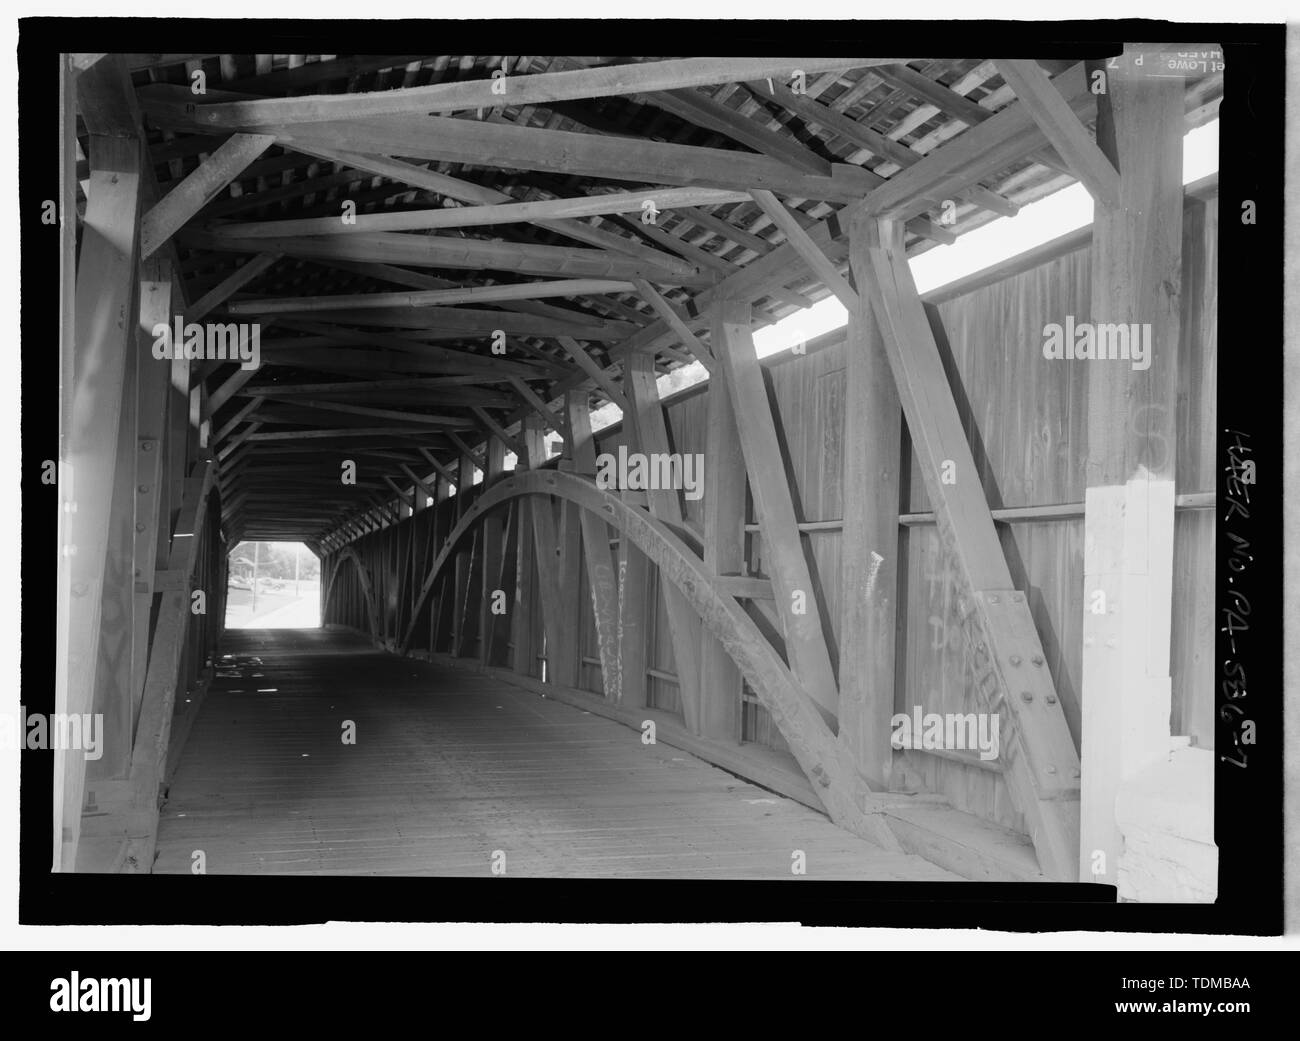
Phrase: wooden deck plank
x=448 y=768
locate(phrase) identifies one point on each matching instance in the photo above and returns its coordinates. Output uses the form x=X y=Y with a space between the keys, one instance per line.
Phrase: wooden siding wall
x=1027 y=421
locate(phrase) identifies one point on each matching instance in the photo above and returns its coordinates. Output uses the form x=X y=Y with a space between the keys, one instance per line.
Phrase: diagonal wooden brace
x=1012 y=678
x=1042 y=769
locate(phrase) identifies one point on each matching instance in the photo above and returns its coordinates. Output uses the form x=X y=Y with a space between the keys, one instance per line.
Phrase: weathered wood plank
x=796 y=596
x=66 y=521
x=413 y=803
x=476 y=195
x=149 y=754
x=570 y=152
x=113 y=699
x=176 y=208
x=651 y=433
x=1000 y=140
x=448 y=251
x=495 y=651
x=567 y=287
x=1062 y=128
x=105 y=332
x=153 y=383
x=598 y=375
x=487 y=214
x=1039 y=756
x=492 y=536
x=632 y=78
x=1132 y=449
x=534 y=401
x=601 y=572
x=524 y=651
x=869 y=550
x=863 y=136
x=468 y=566
x=561 y=652
x=632 y=635
x=668 y=313
x=230 y=285
x=724 y=554
x=704 y=111
x=806 y=248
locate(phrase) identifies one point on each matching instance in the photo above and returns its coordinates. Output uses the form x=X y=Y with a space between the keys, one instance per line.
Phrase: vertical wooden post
x=464 y=561
x=632 y=636
x=492 y=530
x=1039 y=759
x=165 y=673
x=419 y=553
x=1131 y=451
x=601 y=575
x=796 y=599
x=642 y=391
x=404 y=573
x=198 y=427
x=178 y=449
x=155 y=307
x=724 y=552
x=67 y=525
x=441 y=615
x=561 y=633
x=871 y=451
x=497 y=650
x=569 y=529
x=633 y=592
x=523 y=659
x=112 y=701
x=105 y=330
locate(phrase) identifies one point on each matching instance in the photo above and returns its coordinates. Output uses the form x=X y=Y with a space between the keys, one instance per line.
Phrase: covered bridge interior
x=399 y=286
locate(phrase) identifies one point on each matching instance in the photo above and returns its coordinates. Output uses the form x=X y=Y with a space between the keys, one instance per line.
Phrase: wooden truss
x=399 y=347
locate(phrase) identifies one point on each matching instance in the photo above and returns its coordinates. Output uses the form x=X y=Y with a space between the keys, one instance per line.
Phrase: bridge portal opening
x=273 y=585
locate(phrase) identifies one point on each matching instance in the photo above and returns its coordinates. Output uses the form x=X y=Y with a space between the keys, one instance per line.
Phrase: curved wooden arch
x=372 y=615
x=817 y=750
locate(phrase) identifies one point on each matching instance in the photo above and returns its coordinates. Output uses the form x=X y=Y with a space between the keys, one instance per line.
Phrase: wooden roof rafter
x=895 y=129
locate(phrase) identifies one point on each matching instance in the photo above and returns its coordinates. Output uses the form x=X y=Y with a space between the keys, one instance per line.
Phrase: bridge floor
x=450 y=767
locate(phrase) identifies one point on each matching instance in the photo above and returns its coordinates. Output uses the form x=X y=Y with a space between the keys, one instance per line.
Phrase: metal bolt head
x=1015 y=659
x=1037 y=659
x=1051 y=699
x=993 y=600
x=142 y=488
x=146 y=446
x=1017 y=597
x=1026 y=697
x=1051 y=769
